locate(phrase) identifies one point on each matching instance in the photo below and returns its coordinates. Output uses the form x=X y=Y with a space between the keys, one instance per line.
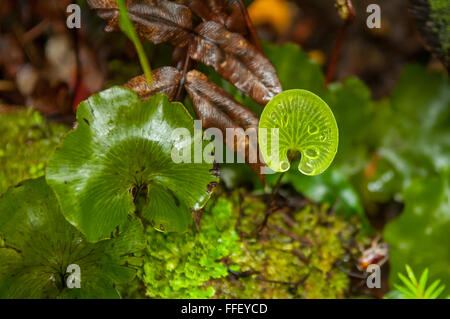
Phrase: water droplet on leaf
x=312 y=153
x=307 y=169
x=313 y=129
x=284 y=166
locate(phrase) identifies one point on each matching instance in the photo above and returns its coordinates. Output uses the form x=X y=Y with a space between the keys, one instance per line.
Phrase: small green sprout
x=416 y=289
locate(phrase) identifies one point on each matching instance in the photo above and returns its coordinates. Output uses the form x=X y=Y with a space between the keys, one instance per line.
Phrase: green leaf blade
x=411 y=275
x=118 y=163
x=306 y=124
x=431 y=289
x=423 y=280
x=40 y=244
x=408 y=284
x=437 y=292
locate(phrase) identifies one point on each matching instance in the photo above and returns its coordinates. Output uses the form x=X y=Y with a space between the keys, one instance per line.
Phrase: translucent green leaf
x=305 y=124
x=118 y=163
x=39 y=245
x=354 y=111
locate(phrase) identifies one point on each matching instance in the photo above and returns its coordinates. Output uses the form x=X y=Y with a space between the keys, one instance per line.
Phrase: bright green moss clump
x=179 y=265
x=295 y=256
x=26 y=143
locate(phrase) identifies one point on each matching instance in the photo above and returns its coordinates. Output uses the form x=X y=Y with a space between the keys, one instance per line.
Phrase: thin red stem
x=338 y=44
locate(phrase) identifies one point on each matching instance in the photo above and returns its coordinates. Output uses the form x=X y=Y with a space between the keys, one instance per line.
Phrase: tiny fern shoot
x=412 y=288
x=301 y=122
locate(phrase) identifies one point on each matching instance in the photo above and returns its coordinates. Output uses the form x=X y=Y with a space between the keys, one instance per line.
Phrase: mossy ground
x=27 y=141
x=300 y=253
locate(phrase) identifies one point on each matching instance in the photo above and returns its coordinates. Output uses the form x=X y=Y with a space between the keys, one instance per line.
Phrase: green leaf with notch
x=39 y=245
x=304 y=123
x=118 y=162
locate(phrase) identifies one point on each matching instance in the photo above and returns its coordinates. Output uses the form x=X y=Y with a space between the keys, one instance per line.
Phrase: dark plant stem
x=338 y=44
x=272 y=207
x=185 y=70
x=197 y=217
x=295 y=237
x=36 y=31
x=352 y=274
x=78 y=76
x=251 y=28
x=295 y=283
x=277 y=186
x=242 y=274
x=241 y=215
x=275 y=189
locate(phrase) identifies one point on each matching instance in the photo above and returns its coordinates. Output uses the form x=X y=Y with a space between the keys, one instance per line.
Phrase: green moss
x=294 y=256
x=179 y=265
x=440 y=14
x=26 y=143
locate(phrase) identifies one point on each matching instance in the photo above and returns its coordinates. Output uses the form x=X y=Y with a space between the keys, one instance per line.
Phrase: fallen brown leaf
x=165 y=80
